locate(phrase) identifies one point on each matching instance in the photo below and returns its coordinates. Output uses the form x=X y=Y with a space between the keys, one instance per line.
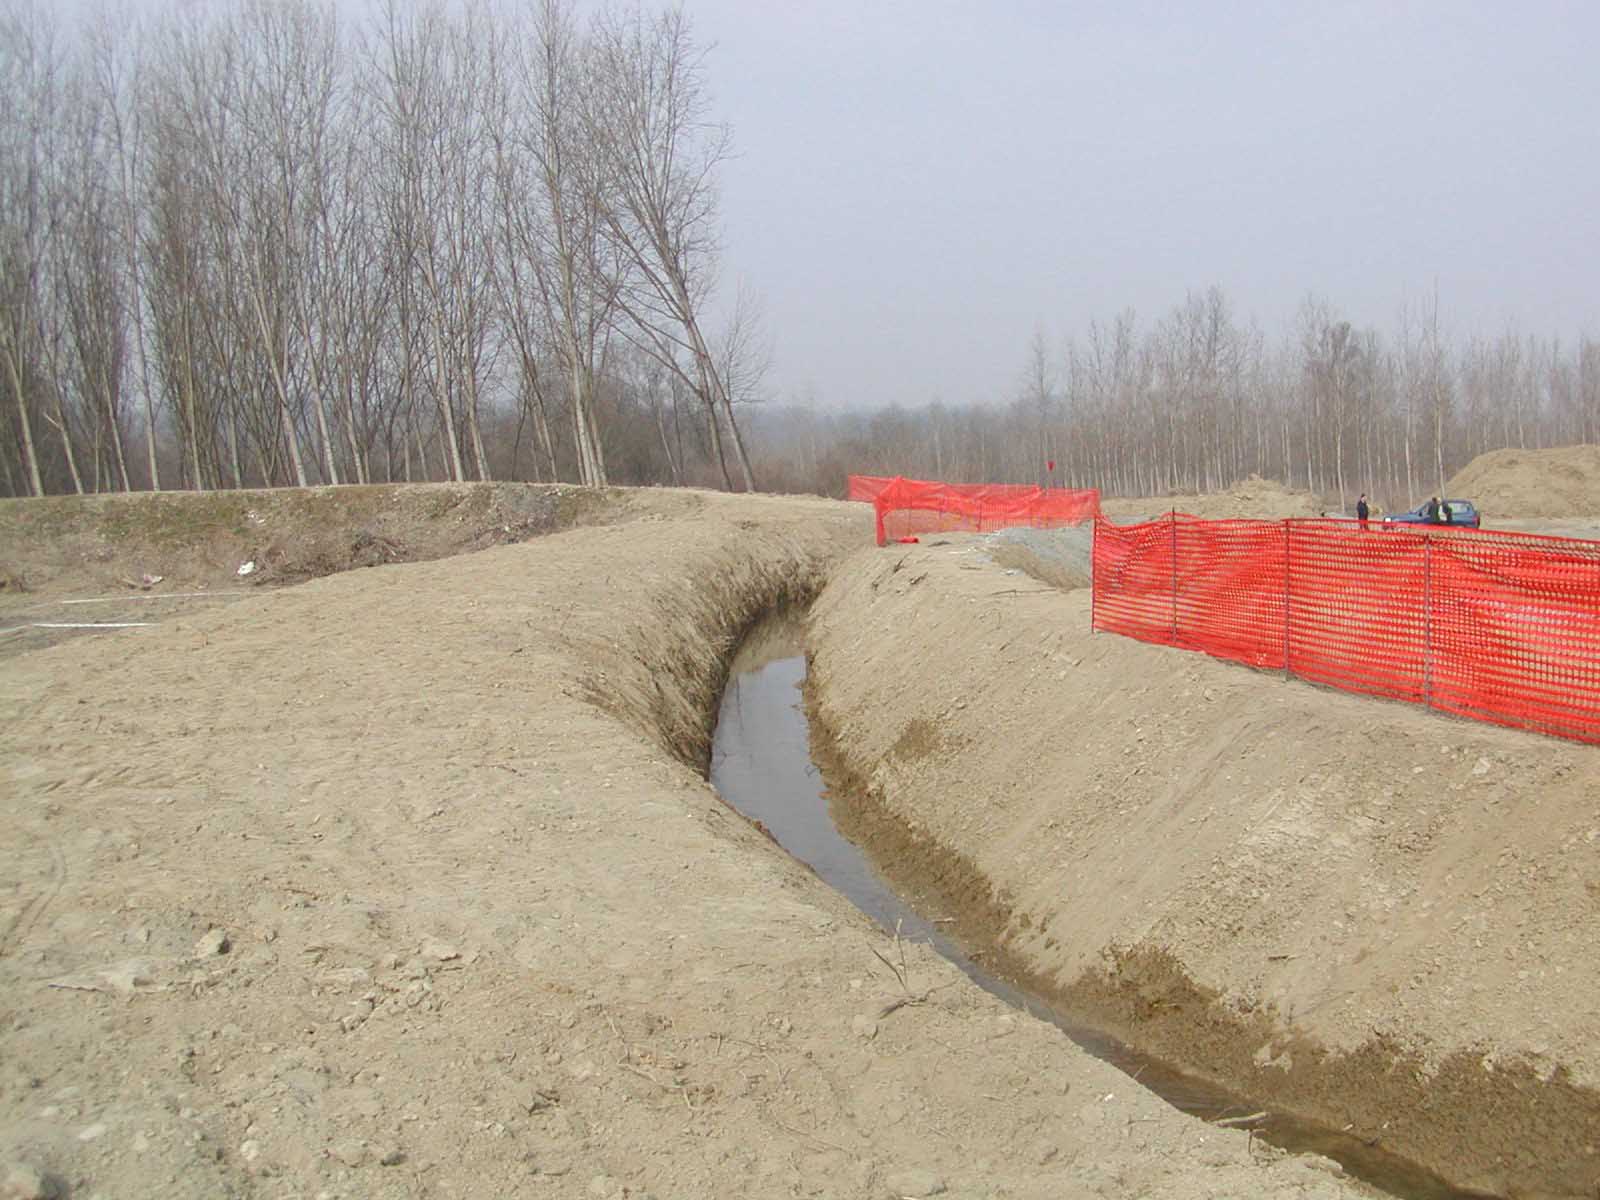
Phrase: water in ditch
x=761 y=765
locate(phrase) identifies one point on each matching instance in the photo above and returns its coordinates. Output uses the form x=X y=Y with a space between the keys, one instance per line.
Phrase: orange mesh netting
x=1502 y=627
x=911 y=506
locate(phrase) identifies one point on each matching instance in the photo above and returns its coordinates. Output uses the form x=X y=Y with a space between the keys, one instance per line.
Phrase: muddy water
x=761 y=765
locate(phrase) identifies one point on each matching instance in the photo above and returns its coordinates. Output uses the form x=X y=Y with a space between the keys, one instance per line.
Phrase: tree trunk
x=119 y=455
x=738 y=445
x=293 y=440
x=35 y=483
x=716 y=445
x=235 y=463
x=65 y=430
x=473 y=430
x=666 y=446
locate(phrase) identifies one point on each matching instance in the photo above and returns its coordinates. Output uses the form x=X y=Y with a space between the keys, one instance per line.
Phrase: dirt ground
x=405 y=882
x=77 y=560
x=1358 y=911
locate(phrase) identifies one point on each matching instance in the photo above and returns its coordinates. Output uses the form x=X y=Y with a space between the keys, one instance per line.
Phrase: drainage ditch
x=762 y=765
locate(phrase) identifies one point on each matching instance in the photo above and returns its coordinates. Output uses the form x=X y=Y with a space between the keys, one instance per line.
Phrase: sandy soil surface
x=406 y=882
x=72 y=561
x=1355 y=910
x=1252 y=498
x=1559 y=483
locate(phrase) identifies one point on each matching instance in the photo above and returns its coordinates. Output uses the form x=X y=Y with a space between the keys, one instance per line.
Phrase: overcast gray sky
x=922 y=183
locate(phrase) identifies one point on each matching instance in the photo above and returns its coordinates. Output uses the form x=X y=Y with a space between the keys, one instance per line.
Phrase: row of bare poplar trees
x=1199 y=399
x=257 y=242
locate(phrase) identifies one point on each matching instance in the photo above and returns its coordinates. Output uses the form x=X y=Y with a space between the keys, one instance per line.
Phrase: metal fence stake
x=1287 y=674
x=1174 y=516
x=1094 y=576
x=1427 y=620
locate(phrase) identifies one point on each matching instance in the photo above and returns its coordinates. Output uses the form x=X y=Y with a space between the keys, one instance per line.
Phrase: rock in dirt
x=864 y=1027
x=26 y=1182
x=539 y=1098
x=352 y=1152
x=124 y=978
x=913 y=1183
x=436 y=951
x=212 y=943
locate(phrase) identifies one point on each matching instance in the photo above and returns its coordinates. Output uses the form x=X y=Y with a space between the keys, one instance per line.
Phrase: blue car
x=1462 y=512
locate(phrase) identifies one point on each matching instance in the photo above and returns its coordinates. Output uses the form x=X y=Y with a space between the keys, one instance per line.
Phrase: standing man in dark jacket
x=1362 y=511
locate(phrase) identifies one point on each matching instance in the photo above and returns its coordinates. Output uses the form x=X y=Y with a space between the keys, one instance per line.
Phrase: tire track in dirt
x=28 y=915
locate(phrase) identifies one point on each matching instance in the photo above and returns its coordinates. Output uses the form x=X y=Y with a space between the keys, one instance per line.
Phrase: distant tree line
x=253 y=243
x=1198 y=400
x=258 y=243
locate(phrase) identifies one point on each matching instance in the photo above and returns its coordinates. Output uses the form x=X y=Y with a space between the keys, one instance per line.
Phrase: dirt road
x=405 y=882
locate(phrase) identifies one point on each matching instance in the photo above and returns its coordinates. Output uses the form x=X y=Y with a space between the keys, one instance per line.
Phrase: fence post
x=1286 y=672
x=1094 y=576
x=1174 y=518
x=1427 y=620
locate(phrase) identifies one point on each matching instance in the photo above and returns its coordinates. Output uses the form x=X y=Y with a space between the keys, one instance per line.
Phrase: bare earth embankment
x=68 y=560
x=1358 y=911
x=1563 y=482
x=405 y=882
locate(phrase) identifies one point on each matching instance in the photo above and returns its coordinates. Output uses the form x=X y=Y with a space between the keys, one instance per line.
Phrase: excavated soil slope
x=200 y=539
x=405 y=883
x=1562 y=482
x=1357 y=911
x=1253 y=498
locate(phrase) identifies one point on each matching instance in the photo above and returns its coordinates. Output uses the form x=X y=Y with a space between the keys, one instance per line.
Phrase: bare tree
x=1330 y=358
x=552 y=205
x=90 y=282
x=27 y=99
x=408 y=90
x=1038 y=398
x=648 y=116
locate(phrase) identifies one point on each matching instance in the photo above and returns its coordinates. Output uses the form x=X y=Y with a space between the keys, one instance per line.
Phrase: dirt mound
x=202 y=539
x=1532 y=483
x=1250 y=498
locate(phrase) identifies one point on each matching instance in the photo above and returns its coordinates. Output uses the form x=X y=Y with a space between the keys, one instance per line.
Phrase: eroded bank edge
x=687 y=657
x=1501 y=1131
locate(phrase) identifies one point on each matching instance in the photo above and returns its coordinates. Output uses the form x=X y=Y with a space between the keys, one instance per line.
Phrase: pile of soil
x=285 y=535
x=1252 y=498
x=1561 y=482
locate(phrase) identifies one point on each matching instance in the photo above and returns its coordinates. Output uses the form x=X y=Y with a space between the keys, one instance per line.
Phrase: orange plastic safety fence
x=1501 y=627
x=910 y=506
x=867 y=487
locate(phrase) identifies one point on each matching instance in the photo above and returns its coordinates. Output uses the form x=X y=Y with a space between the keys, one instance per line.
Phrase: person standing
x=1432 y=511
x=1444 y=512
x=1362 y=511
